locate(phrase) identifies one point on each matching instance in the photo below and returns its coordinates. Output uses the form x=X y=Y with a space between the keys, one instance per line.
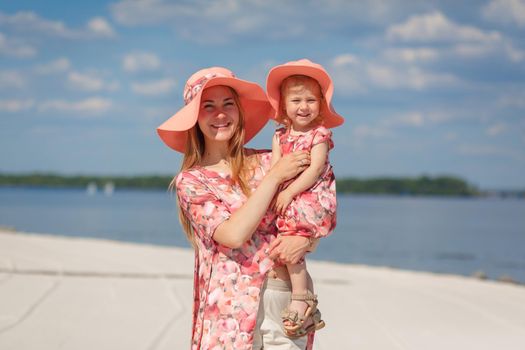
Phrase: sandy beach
x=76 y=293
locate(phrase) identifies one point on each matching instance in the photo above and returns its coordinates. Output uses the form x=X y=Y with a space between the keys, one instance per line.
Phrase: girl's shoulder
x=322 y=134
x=321 y=129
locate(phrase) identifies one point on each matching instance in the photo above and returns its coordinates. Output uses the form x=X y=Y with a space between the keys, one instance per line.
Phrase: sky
x=426 y=87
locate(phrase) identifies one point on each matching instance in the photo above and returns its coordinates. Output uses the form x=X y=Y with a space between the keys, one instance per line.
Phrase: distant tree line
x=54 y=180
x=423 y=185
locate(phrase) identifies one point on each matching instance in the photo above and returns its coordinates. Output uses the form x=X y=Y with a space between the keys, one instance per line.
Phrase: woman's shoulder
x=188 y=176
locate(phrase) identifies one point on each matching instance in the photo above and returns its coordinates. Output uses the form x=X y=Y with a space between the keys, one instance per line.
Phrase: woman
x=224 y=192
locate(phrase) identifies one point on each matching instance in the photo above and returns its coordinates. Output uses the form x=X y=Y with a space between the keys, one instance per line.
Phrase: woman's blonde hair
x=194 y=152
x=298 y=80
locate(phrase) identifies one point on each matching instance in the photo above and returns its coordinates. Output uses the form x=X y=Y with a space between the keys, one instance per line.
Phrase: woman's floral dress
x=312 y=213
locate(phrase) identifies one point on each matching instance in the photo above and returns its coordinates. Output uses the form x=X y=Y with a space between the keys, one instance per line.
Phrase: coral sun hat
x=304 y=67
x=256 y=108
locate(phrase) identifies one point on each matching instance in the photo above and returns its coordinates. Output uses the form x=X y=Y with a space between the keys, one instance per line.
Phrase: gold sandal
x=296 y=329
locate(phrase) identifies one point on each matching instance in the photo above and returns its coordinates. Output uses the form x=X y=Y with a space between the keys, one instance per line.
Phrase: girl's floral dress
x=313 y=212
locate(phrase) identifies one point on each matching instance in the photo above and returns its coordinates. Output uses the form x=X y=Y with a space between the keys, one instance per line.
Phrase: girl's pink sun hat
x=257 y=110
x=304 y=67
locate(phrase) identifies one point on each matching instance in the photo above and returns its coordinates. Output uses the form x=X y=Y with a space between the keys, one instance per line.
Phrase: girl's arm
x=236 y=230
x=306 y=180
x=276 y=150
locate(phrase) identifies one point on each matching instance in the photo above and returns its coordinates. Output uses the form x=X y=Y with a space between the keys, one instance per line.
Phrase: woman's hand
x=290 y=165
x=289 y=249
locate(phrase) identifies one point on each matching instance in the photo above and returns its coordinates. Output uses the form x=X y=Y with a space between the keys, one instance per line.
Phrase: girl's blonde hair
x=298 y=80
x=194 y=152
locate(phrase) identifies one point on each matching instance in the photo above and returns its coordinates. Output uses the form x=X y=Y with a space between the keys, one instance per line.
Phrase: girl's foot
x=305 y=318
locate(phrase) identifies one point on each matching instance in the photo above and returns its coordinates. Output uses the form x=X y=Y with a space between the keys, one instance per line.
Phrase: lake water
x=445 y=235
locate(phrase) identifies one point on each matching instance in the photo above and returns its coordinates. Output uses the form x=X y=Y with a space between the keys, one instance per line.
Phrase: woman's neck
x=215 y=155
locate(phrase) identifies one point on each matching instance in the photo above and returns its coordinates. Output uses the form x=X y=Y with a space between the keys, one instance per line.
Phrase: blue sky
x=426 y=87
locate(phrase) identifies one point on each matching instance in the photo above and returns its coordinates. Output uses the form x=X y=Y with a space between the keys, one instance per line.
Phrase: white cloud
x=364 y=131
x=141 y=61
x=219 y=21
x=411 y=55
x=496 y=129
x=345 y=59
x=480 y=150
x=414 y=119
x=30 y=22
x=152 y=88
x=100 y=27
x=436 y=27
x=25 y=21
x=11 y=79
x=515 y=55
x=94 y=105
x=516 y=100
x=452 y=40
x=89 y=82
x=57 y=66
x=14 y=106
x=85 y=82
x=451 y=136
x=14 y=48
x=479 y=50
x=413 y=78
x=505 y=11
x=357 y=76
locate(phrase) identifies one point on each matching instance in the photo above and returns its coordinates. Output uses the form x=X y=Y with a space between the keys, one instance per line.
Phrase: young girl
x=300 y=92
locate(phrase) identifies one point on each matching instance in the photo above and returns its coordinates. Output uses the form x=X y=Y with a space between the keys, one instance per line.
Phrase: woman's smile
x=218 y=114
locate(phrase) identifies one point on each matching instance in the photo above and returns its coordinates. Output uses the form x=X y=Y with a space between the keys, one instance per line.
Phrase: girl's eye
x=207 y=107
x=228 y=104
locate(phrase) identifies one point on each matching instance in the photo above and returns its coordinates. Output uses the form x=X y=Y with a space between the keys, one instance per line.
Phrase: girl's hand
x=290 y=165
x=289 y=249
x=283 y=200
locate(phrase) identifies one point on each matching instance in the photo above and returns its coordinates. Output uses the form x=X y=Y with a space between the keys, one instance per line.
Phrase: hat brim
x=279 y=73
x=254 y=103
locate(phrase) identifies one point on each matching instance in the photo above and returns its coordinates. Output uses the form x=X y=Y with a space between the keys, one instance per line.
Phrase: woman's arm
x=236 y=230
x=306 y=180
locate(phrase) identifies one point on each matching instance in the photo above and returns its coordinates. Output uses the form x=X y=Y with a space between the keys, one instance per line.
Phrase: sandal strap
x=307 y=296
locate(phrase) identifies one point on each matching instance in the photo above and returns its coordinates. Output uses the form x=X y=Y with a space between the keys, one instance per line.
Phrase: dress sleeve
x=200 y=205
x=321 y=135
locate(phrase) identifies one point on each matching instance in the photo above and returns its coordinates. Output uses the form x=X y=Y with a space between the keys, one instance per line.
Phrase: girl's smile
x=302 y=106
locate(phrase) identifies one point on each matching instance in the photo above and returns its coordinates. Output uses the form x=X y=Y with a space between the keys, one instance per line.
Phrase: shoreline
x=477 y=275
x=82 y=293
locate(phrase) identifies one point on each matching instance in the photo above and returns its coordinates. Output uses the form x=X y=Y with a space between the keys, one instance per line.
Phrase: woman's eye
x=207 y=107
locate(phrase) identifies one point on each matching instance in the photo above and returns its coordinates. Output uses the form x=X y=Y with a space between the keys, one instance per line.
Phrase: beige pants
x=269 y=334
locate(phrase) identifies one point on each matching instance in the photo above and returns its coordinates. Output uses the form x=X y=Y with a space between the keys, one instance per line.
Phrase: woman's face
x=218 y=114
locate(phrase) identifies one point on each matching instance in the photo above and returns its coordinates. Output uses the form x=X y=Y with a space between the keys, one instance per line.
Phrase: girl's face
x=302 y=104
x=218 y=114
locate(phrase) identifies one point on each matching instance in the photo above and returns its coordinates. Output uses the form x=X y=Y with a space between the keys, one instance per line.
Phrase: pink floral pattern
x=313 y=212
x=227 y=282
